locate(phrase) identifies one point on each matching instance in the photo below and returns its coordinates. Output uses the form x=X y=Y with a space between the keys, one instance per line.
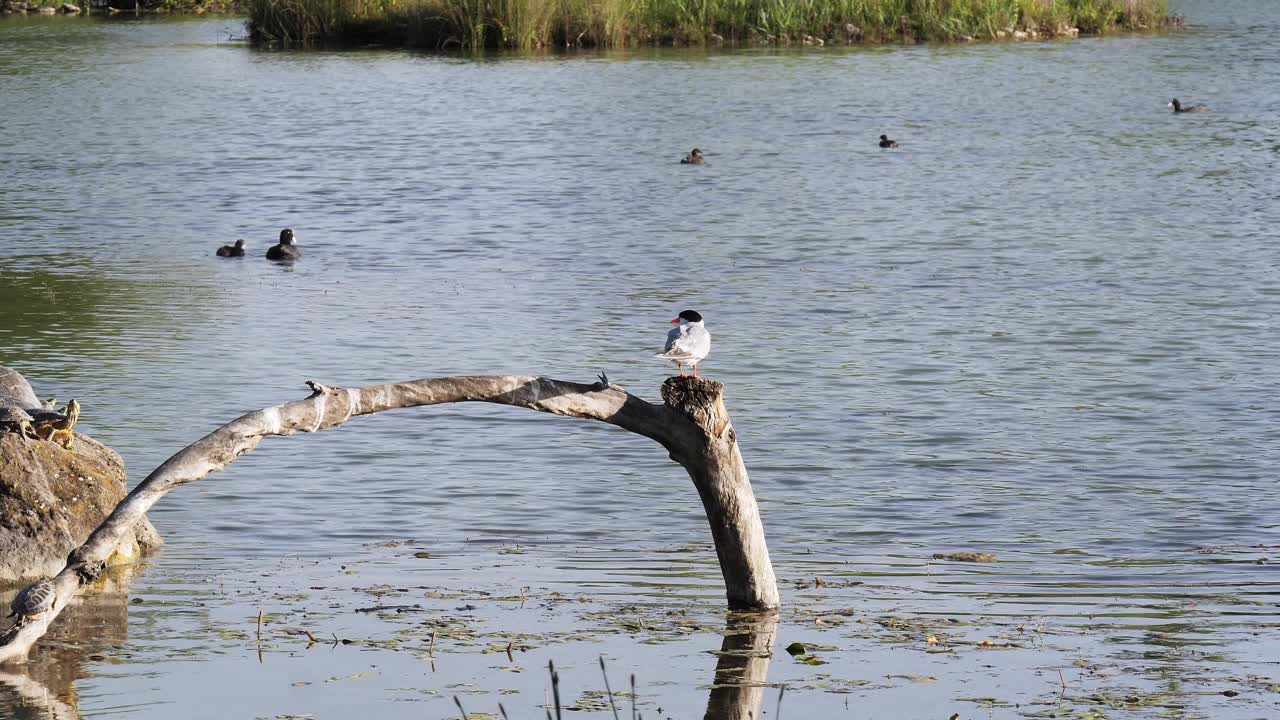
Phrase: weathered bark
x=693 y=425
x=738 y=685
x=715 y=465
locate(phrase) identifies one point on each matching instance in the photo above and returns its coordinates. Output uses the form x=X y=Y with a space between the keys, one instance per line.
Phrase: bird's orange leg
x=695 y=370
x=681 y=366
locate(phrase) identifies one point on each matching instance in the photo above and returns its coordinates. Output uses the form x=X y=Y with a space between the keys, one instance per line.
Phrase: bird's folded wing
x=683 y=343
x=673 y=337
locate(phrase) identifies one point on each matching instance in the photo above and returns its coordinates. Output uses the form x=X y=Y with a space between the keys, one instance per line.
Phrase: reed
x=530 y=24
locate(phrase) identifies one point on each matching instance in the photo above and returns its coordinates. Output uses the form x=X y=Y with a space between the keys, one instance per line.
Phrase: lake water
x=1045 y=327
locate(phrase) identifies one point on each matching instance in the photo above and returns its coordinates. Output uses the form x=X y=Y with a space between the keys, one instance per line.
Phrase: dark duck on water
x=236 y=250
x=285 y=249
x=1180 y=108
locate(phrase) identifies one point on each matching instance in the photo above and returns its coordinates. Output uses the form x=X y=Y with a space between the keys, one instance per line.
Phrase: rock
x=47 y=10
x=52 y=498
x=1001 y=34
x=70 y=8
x=717 y=39
x=1019 y=35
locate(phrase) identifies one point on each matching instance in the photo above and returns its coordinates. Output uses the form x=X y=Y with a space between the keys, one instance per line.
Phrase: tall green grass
x=527 y=24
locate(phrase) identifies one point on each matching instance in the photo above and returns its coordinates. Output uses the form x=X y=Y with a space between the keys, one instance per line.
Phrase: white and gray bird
x=687 y=343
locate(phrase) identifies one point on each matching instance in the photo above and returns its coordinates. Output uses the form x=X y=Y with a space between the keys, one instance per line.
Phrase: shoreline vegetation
x=545 y=24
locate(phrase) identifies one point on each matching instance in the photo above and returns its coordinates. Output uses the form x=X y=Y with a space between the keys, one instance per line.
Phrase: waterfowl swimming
x=285 y=249
x=687 y=344
x=885 y=142
x=693 y=158
x=236 y=250
x=1177 y=107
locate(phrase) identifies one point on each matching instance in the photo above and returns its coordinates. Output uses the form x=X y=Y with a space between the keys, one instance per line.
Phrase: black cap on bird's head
x=240 y=244
x=286 y=236
x=687 y=316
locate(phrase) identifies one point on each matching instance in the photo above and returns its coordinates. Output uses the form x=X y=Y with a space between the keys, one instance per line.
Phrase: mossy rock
x=51 y=498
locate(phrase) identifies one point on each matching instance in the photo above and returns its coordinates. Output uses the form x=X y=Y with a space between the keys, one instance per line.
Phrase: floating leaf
x=796 y=648
x=914 y=678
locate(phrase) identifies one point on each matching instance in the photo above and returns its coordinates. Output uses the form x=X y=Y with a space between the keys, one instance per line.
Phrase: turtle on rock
x=22 y=412
x=16 y=419
x=56 y=426
x=16 y=388
x=35 y=599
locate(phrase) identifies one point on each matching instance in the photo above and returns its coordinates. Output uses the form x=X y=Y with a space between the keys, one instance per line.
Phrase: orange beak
x=676 y=321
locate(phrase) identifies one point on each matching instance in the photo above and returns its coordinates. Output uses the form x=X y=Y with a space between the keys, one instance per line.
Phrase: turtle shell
x=34 y=599
x=16 y=388
x=45 y=416
x=9 y=412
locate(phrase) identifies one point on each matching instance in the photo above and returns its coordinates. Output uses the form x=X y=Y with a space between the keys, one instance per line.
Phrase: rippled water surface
x=1045 y=327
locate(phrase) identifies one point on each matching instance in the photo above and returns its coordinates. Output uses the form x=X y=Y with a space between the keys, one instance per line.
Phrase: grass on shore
x=529 y=24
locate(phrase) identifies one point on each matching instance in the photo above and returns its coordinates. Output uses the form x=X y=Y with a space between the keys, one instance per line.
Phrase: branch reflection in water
x=95 y=623
x=738 y=686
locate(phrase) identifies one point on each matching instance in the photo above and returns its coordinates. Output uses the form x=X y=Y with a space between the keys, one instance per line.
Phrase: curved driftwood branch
x=692 y=424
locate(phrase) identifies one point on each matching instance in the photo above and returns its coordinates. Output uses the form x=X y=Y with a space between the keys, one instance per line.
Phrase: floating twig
x=458 y=702
x=259 y=625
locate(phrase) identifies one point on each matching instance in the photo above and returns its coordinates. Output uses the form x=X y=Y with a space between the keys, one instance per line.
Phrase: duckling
x=693 y=158
x=885 y=142
x=285 y=249
x=236 y=250
x=1177 y=107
